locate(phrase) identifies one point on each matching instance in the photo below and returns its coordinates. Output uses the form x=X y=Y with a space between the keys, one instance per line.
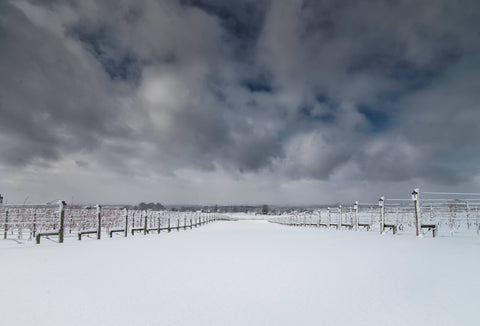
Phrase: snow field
x=243 y=273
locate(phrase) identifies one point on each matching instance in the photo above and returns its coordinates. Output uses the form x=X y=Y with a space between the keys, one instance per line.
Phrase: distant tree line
x=150 y=206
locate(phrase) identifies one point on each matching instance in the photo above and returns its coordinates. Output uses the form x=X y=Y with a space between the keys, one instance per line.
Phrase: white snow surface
x=243 y=273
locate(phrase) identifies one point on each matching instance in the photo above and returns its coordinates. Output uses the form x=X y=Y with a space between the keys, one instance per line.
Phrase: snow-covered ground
x=243 y=273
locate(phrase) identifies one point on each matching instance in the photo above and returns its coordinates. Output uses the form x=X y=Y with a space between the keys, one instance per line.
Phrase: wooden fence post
x=382 y=221
x=415 y=194
x=34 y=230
x=5 y=226
x=99 y=221
x=62 y=217
x=340 y=216
x=126 y=222
x=145 y=222
x=468 y=215
x=355 y=207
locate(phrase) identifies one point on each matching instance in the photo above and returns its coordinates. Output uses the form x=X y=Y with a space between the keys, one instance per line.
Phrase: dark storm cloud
x=52 y=99
x=376 y=90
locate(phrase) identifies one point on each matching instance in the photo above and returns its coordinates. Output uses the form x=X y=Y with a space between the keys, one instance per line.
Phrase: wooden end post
x=415 y=194
x=61 y=217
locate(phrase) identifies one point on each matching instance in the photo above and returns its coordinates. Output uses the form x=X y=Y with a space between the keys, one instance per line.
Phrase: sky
x=283 y=102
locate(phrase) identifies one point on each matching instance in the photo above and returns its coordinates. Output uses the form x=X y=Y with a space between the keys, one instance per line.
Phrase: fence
x=25 y=223
x=439 y=212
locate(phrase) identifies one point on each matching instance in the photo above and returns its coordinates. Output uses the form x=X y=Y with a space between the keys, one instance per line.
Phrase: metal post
x=169 y=225
x=355 y=207
x=62 y=217
x=382 y=221
x=415 y=194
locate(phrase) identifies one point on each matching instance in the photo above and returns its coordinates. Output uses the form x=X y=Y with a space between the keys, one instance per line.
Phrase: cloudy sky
x=252 y=101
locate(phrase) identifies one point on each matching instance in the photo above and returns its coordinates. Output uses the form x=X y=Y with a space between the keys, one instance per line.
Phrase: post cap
x=380 y=201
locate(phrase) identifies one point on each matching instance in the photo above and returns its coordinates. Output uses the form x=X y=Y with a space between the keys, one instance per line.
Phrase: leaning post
x=355 y=207
x=415 y=194
x=381 y=203
x=99 y=221
x=61 y=215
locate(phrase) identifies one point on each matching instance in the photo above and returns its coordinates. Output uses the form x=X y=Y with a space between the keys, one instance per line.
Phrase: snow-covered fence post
x=339 y=216
x=468 y=216
x=145 y=224
x=184 y=223
x=126 y=222
x=34 y=228
x=355 y=207
x=329 y=216
x=178 y=224
x=415 y=193
x=382 y=221
x=5 y=226
x=61 y=214
x=99 y=221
